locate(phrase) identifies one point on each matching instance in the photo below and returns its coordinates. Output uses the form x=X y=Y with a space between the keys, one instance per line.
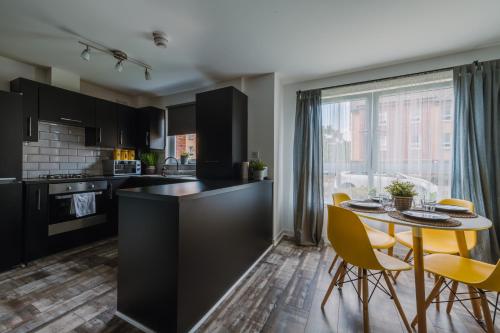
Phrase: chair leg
x=434 y=292
x=360 y=278
x=451 y=298
x=406 y=259
x=486 y=313
x=333 y=264
x=396 y=301
x=342 y=276
x=366 y=317
x=436 y=278
x=332 y=284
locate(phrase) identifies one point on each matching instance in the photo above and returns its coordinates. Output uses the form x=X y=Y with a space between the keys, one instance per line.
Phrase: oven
x=62 y=219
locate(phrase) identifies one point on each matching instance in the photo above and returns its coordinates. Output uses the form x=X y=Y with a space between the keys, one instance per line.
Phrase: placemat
x=461 y=215
x=346 y=205
x=448 y=223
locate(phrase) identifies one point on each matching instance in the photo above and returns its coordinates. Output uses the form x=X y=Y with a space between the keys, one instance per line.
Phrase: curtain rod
x=382 y=79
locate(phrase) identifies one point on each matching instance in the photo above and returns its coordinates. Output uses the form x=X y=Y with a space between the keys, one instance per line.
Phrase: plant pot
x=402 y=203
x=184 y=159
x=150 y=170
x=259 y=174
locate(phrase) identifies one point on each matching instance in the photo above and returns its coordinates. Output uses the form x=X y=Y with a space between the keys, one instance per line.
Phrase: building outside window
x=178 y=144
x=374 y=133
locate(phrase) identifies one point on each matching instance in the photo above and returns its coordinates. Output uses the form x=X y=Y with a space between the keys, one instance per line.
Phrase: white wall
x=12 y=69
x=285 y=209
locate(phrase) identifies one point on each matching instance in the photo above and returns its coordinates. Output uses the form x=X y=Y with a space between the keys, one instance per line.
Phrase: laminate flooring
x=75 y=291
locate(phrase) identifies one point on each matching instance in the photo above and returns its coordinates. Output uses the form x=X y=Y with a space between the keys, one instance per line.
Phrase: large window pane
x=377 y=132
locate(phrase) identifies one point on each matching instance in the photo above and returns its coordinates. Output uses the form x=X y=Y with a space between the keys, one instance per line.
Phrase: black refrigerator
x=11 y=198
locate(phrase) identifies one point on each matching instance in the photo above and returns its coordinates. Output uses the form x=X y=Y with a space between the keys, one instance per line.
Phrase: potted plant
x=150 y=159
x=184 y=157
x=402 y=193
x=259 y=169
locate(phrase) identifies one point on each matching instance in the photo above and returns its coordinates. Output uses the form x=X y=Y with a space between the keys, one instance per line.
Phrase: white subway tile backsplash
x=38 y=158
x=48 y=166
x=49 y=151
x=61 y=149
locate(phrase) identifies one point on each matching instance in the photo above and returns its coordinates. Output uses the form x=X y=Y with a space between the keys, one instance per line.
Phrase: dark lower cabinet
x=36 y=219
x=29 y=91
x=11 y=226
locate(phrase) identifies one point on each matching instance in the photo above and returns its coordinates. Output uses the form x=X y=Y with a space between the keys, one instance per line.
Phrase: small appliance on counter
x=121 y=167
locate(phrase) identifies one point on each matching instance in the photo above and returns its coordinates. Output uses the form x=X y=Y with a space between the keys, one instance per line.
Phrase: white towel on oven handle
x=83 y=204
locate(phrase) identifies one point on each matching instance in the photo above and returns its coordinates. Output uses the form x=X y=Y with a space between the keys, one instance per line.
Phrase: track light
x=119 y=66
x=119 y=55
x=86 y=54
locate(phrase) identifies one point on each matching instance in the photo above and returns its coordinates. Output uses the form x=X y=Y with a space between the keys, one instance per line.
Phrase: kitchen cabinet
x=29 y=91
x=66 y=107
x=151 y=128
x=126 y=119
x=11 y=226
x=104 y=134
x=221 y=133
x=36 y=221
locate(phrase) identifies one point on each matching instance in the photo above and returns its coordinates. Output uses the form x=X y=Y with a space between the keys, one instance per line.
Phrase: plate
x=429 y=216
x=376 y=199
x=451 y=208
x=364 y=204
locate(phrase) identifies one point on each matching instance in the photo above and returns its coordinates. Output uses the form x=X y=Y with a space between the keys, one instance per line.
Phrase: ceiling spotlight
x=86 y=54
x=119 y=66
x=147 y=74
x=159 y=39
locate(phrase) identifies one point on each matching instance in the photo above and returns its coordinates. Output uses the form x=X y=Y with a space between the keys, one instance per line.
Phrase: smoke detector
x=160 y=39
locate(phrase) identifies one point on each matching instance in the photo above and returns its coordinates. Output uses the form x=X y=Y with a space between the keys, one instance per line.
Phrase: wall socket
x=254 y=155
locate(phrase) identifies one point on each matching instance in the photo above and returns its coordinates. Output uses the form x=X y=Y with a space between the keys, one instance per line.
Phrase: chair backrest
x=348 y=237
x=338 y=198
x=492 y=283
x=470 y=236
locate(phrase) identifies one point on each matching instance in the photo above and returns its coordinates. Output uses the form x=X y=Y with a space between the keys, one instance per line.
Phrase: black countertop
x=103 y=177
x=186 y=190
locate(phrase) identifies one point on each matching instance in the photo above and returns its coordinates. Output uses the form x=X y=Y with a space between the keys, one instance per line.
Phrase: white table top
x=477 y=223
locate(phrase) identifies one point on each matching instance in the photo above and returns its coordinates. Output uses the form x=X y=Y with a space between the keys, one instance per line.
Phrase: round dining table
x=467 y=224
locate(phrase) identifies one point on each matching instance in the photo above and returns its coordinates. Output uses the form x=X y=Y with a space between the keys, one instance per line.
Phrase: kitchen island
x=182 y=246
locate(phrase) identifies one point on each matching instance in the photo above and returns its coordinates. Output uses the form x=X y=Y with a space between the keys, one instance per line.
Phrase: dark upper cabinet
x=151 y=128
x=104 y=134
x=126 y=131
x=11 y=136
x=29 y=91
x=66 y=107
x=221 y=132
x=36 y=221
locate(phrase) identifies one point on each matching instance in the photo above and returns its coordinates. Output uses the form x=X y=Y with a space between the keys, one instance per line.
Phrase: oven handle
x=69 y=196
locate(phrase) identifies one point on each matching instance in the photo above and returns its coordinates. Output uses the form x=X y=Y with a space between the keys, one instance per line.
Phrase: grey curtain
x=308 y=169
x=476 y=156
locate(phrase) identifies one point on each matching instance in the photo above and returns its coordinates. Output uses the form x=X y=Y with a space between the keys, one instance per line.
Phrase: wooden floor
x=75 y=291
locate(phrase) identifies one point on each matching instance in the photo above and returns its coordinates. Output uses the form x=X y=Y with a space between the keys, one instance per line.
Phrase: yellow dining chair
x=440 y=241
x=349 y=239
x=476 y=274
x=379 y=239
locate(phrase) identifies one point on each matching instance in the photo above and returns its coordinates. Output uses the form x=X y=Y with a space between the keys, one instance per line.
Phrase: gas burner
x=65 y=176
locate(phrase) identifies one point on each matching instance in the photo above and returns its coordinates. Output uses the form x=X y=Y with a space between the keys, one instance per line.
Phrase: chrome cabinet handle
x=100 y=135
x=69 y=119
x=39 y=200
x=121 y=137
x=147 y=138
x=29 y=126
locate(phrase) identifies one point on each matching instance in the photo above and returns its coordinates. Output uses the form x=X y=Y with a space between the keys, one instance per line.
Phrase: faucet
x=164 y=168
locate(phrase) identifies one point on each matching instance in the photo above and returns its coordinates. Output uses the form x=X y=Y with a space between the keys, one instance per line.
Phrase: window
x=447 y=140
x=374 y=133
x=178 y=144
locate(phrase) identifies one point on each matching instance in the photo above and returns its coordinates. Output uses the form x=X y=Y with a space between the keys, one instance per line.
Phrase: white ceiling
x=216 y=40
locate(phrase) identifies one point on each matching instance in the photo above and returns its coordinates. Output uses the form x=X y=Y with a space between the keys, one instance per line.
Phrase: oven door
x=60 y=207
